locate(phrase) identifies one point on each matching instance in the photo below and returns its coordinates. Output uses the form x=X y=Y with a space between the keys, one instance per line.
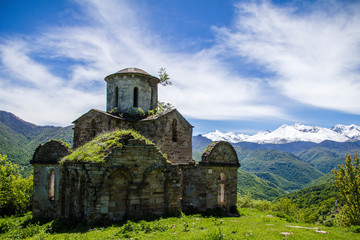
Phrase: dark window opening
x=152 y=105
x=116 y=97
x=136 y=97
x=93 y=128
x=174 y=130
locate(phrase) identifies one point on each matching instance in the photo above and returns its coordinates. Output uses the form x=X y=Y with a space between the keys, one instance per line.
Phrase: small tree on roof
x=164 y=77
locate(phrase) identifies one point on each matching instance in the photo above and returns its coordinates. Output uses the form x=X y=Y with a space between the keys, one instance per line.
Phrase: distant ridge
x=294 y=133
x=19 y=139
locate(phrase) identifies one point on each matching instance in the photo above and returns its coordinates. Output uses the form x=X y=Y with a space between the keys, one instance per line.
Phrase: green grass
x=98 y=148
x=252 y=224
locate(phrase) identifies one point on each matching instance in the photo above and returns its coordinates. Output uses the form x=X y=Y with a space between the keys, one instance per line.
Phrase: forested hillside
x=19 y=139
x=290 y=166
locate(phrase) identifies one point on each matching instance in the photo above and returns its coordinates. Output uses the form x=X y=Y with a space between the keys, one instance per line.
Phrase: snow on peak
x=230 y=136
x=294 y=133
x=352 y=131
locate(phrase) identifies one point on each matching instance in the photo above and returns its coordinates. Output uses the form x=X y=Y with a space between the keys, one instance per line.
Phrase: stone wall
x=213 y=183
x=125 y=84
x=160 y=129
x=47 y=178
x=135 y=180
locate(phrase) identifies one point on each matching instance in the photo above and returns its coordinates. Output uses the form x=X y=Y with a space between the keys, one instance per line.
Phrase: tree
x=165 y=81
x=164 y=77
x=163 y=106
x=15 y=191
x=348 y=183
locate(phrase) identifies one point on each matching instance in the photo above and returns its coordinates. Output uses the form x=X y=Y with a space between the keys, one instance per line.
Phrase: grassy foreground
x=252 y=224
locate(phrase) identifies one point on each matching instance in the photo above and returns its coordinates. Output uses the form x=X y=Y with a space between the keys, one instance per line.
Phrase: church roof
x=132 y=71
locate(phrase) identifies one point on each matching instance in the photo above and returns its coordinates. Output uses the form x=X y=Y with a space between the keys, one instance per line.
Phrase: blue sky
x=242 y=66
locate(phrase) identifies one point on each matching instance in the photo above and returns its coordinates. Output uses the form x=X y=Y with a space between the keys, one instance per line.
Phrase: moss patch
x=100 y=147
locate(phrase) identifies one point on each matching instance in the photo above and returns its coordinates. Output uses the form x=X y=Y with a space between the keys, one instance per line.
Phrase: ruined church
x=138 y=176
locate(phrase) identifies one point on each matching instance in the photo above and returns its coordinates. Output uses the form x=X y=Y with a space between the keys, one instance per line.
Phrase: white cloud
x=115 y=37
x=315 y=55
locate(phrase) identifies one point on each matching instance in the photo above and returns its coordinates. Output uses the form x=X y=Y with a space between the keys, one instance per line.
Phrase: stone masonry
x=138 y=178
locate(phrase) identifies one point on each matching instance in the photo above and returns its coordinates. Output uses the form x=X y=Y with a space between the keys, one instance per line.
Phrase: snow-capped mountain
x=352 y=131
x=294 y=133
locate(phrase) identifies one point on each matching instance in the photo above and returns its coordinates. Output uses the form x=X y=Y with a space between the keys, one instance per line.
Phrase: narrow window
x=221 y=195
x=52 y=185
x=181 y=184
x=82 y=196
x=152 y=99
x=136 y=97
x=174 y=130
x=116 y=97
x=221 y=190
x=93 y=128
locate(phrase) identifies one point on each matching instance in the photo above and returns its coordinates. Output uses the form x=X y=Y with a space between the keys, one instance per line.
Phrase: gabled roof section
x=98 y=112
x=149 y=118
x=132 y=71
x=165 y=114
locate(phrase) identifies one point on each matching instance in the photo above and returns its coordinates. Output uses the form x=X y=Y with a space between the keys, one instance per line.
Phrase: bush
x=355 y=229
x=285 y=206
x=15 y=191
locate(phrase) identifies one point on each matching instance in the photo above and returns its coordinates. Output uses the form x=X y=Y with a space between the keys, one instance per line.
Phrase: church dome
x=131 y=70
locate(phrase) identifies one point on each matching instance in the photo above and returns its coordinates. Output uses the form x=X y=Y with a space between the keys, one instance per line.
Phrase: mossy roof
x=97 y=149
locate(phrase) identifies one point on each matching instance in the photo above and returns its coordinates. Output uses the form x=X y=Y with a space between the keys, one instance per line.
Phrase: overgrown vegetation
x=15 y=191
x=290 y=210
x=99 y=147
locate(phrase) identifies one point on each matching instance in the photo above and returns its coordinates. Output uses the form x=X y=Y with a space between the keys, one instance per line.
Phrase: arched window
x=51 y=186
x=221 y=190
x=136 y=97
x=116 y=97
x=222 y=177
x=174 y=130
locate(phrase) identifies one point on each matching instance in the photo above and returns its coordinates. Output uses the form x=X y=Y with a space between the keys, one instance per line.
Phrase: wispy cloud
x=113 y=38
x=314 y=54
x=58 y=74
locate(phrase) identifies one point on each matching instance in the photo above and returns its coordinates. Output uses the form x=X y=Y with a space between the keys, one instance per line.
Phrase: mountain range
x=268 y=170
x=294 y=133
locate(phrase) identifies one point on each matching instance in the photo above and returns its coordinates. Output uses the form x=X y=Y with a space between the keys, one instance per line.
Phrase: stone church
x=137 y=177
